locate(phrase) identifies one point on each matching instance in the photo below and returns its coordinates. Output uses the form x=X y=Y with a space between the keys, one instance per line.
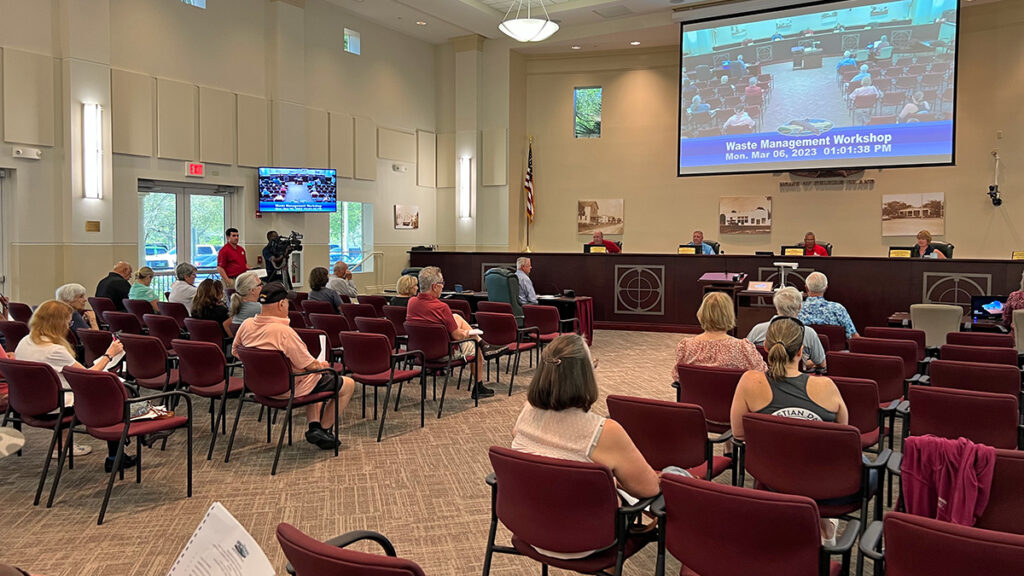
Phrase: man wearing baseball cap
x=269 y=330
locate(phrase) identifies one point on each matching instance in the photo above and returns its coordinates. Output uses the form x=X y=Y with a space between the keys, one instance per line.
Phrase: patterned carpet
x=423 y=488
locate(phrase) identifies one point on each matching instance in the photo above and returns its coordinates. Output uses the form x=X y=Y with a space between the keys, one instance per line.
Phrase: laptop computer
x=760 y=286
x=987 y=307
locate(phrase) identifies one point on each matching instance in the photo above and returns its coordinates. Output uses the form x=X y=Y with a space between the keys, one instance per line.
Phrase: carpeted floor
x=423 y=488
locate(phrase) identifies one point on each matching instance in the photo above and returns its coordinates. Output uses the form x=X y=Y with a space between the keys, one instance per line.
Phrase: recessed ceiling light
x=634 y=43
x=421 y=23
x=576 y=47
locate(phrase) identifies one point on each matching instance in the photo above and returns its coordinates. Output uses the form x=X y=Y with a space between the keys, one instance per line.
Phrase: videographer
x=273 y=261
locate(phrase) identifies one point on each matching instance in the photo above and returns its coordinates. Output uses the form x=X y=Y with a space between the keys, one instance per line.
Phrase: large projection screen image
x=850 y=84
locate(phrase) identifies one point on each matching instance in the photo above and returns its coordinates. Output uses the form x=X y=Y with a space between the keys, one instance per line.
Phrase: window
x=587 y=111
x=196 y=3
x=352 y=235
x=351 y=41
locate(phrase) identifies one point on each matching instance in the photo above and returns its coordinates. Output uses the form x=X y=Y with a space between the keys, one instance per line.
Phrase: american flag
x=528 y=185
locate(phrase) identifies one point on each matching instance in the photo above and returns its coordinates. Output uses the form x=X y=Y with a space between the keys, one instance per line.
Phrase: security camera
x=993 y=194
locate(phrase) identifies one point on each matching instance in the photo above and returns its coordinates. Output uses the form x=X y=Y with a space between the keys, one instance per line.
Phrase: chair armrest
x=522 y=332
x=871 y=541
x=357 y=535
x=880 y=461
x=845 y=542
x=233 y=365
x=903 y=409
x=893 y=465
x=723 y=437
x=574 y=321
x=642 y=504
x=892 y=406
x=408 y=353
x=317 y=371
x=924 y=380
x=491 y=479
x=658 y=508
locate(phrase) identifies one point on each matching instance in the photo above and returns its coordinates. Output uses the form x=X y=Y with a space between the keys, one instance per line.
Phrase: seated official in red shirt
x=610 y=246
x=427 y=307
x=812 y=248
x=231 y=259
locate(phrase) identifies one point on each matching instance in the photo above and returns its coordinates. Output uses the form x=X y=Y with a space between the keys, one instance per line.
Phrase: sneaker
x=481 y=391
x=834 y=525
x=77 y=450
x=126 y=462
x=323 y=439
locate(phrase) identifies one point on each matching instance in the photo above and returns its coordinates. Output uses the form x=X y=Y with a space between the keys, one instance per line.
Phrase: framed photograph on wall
x=407 y=217
x=908 y=214
x=745 y=215
x=599 y=215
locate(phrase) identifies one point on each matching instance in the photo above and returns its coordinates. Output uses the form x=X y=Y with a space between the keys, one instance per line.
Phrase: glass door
x=206 y=232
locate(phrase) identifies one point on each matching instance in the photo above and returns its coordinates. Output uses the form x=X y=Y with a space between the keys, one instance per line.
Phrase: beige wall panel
x=216 y=126
x=343 y=154
x=426 y=159
x=28 y=98
x=316 y=138
x=288 y=126
x=366 y=149
x=253 y=131
x=176 y=119
x=395 y=145
x=131 y=98
x=446 y=160
x=495 y=157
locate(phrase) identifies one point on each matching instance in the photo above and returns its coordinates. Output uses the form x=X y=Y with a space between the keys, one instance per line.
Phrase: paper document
x=476 y=332
x=221 y=546
x=323 y=348
x=112 y=365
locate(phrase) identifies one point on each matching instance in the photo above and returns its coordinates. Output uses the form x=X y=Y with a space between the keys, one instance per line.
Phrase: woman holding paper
x=47 y=343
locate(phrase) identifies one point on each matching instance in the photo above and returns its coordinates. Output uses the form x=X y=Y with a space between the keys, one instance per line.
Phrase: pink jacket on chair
x=947 y=479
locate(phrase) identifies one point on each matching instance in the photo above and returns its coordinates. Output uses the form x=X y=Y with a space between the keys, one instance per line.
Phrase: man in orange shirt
x=270 y=331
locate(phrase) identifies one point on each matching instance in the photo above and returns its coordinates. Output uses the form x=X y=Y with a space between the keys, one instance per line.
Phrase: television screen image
x=845 y=84
x=987 y=306
x=298 y=190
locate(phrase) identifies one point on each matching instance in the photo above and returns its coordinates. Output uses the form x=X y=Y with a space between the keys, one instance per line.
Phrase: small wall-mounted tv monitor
x=298 y=190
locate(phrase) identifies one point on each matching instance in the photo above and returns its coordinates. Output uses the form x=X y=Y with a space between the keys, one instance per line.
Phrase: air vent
x=613 y=12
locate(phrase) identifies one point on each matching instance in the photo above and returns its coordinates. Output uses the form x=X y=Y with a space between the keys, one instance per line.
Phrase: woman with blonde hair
x=141 y=290
x=208 y=304
x=924 y=248
x=47 y=343
x=714 y=346
x=407 y=287
x=784 y=391
x=248 y=286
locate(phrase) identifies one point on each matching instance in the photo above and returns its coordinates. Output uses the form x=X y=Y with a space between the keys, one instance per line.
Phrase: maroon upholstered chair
x=917 y=545
x=381 y=326
x=163 y=327
x=502 y=331
x=148 y=363
x=353 y=311
x=268 y=374
x=311 y=338
x=102 y=405
x=983 y=354
x=397 y=316
x=20 y=312
x=562 y=506
x=123 y=322
x=820 y=460
x=101 y=306
x=861 y=399
x=205 y=372
x=370 y=358
x=980 y=339
x=995 y=378
x=138 y=307
x=548 y=322
x=297 y=319
x=670 y=434
x=438 y=355
x=175 y=310
x=710 y=388
x=905 y=349
x=753 y=531
x=499 y=307
x=917 y=336
x=332 y=324
x=95 y=343
x=295 y=299
x=13 y=332
x=836 y=336
x=310 y=557
x=317 y=307
x=981 y=417
x=35 y=394
x=378 y=302
x=460 y=306
x=205 y=331
x=886 y=371
x=1005 y=510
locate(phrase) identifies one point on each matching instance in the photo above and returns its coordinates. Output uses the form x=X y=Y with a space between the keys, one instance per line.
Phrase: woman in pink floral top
x=1015 y=301
x=715 y=347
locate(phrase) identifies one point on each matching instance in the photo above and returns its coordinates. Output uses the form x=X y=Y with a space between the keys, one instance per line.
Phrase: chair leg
x=489 y=553
x=543 y=570
x=364 y=401
x=259 y=417
x=374 y=402
x=444 y=389
x=234 y=427
x=289 y=431
x=110 y=482
x=398 y=394
x=280 y=440
x=217 y=424
x=423 y=396
x=54 y=440
x=213 y=417
x=384 y=412
x=189 y=450
x=512 y=378
x=68 y=446
x=138 y=461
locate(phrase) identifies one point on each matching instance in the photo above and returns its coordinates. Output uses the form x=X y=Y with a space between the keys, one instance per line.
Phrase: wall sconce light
x=465 y=181
x=92 y=150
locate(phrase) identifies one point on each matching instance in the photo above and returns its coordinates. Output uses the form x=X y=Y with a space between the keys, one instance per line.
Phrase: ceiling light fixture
x=421 y=23
x=576 y=47
x=634 y=43
x=523 y=27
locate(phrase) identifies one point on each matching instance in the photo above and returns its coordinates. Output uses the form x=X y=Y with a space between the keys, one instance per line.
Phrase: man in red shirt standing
x=610 y=246
x=427 y=307
x=812 y=248
x=231 y=259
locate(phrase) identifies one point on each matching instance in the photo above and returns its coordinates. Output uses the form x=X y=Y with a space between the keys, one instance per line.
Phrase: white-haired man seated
x=527 y=295
x=788 y=302
x=817 y=310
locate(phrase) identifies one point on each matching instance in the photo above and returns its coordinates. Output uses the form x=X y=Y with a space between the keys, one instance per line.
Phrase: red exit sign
x=195 y=169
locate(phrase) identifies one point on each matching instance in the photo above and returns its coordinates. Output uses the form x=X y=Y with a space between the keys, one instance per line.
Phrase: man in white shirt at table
x=527 y=295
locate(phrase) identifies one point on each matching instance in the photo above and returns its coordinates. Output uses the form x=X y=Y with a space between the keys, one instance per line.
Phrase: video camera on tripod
x=285 y=245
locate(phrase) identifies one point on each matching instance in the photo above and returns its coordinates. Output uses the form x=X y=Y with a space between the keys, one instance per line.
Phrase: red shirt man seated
x=812 y=248
x=610 y=246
